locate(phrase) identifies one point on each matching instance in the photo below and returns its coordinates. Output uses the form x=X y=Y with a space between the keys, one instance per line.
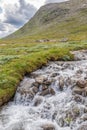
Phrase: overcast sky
x=15 y=13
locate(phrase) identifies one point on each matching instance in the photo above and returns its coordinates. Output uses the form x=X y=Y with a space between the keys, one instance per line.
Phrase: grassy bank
x=18 y=59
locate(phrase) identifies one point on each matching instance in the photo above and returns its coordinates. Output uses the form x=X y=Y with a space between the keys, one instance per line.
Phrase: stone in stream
x=48 y=81
x=40 y=79
x=80 y=91
x=35 y=89
x=84 y=117
x=47 y=91
x=38 y=100
x=83 y=127
x=44 y=87
x=36 y=84
x=54 y=74
x=61 y=83
x=26 y=93
x=81 y=83
x=78 y=98
x=48 y=127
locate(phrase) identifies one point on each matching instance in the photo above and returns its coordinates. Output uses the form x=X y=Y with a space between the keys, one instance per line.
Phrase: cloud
x=17 y=15
x=14 y=16
x=1 y=10
x=54 y=1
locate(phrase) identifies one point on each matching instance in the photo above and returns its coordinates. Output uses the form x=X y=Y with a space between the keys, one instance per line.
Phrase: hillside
x=54 y=31
x=57 y=20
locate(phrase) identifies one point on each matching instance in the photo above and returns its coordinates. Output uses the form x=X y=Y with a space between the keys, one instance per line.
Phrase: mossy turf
x=24 y=56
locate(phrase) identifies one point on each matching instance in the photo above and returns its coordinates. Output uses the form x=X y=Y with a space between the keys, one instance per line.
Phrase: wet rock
x=54 y=74
x=44 y=87
x=48 y=127
x=85 y=110
x=84 y=117
x=40 y=79
x=52 y=91
x=37 y=101
x=48 y=81
x=80 y=71
x=78 y=90
x=28 y=93
x=68 y=82
x=47 y=91
x=61 y=83
x=36 y=84
x=61 y=122
x=81 y=83
x=78 y=98
x=35 y=89
x=83 y=127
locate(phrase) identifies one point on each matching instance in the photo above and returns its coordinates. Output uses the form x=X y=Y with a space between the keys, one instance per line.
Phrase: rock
x=61 y=122
x=28 y=93
x=48 y=82
x=36 y=84
x=43 y=40
x=61 y=83
x=47 y=91
x=52 y=91
x=35 y=89
x=81 y=83
x=68 y=82
x=40 y=79
x=54 y=74
x=78 y=98
x=48 y=127
x=78 y=90
x=37 y=101
x=84 y=117
x=44 y=87
x=63 y=40
x=83 y=127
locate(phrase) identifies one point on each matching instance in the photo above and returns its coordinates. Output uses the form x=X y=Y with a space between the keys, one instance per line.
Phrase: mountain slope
x=57 y=20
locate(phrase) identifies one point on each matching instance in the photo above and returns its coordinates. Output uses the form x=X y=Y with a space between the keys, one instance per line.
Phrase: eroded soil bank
x=51 y=98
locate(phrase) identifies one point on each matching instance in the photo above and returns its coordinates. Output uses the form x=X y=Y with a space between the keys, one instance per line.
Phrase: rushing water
x=58 y=108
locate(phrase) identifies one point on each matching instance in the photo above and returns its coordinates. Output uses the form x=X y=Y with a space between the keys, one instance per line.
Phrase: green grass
x=18 y=59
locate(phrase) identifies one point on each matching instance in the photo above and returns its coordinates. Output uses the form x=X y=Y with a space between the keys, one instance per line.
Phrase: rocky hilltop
x=57 y=20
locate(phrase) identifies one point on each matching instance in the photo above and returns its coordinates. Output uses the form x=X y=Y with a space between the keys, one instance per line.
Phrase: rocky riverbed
x=51 y=98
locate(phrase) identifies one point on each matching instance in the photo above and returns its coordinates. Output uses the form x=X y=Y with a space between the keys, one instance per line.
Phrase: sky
x=15 y=13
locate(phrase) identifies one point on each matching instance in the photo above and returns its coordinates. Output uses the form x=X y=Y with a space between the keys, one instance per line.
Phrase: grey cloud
x=18 y=15
x=1 y=10
x=2 y=27
x=54 y=1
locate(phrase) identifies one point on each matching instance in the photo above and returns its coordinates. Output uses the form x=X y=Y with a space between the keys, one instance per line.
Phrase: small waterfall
x=51 y=98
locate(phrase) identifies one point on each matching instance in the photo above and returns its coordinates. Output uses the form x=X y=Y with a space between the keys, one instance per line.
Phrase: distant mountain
x=57 y=20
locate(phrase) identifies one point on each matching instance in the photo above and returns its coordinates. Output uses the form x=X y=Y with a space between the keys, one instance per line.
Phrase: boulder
x=78 y=90
x=37 y=101
x=44 y=87
x=47 y=91
x=48 y=127
x=83 y=127
x=36 y=84
x=40 y=79
x=81 y=83
x=35 y=89
x=52 y=91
